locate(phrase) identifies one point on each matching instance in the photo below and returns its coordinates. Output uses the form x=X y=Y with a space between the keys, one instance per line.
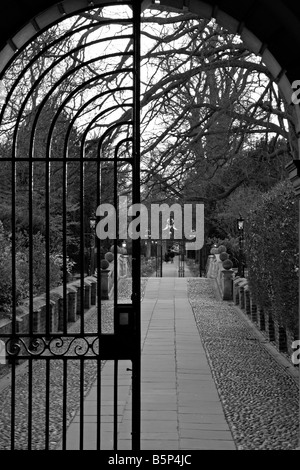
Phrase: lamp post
x=92 y=244
x=240 y=227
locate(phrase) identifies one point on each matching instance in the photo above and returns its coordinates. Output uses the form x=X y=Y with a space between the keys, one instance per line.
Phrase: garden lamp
x=93 y=222
x=240 y=223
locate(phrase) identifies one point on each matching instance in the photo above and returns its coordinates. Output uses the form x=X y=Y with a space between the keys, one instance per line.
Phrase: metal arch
x=95 y=119
x=48 y=46
x=121 y=142
x=86 y=104
x=108 y=131
x=42 y=52
x=64 y=36
x=50 y=92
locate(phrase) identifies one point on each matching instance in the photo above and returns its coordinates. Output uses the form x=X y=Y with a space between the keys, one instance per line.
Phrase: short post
x=227 y=283
x=104 y=284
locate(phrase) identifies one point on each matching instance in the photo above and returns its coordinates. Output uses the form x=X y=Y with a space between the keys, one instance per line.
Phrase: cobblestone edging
x=260 y=399
x=56 y=390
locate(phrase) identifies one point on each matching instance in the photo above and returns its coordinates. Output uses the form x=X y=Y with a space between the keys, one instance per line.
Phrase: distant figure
x=169 y=255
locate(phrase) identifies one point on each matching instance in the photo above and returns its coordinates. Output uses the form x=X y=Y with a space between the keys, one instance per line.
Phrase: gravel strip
x=260 y=399
x=56 y=386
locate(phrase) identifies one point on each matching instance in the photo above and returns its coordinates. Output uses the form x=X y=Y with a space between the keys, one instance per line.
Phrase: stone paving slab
x=205 y=444
x=180 y=406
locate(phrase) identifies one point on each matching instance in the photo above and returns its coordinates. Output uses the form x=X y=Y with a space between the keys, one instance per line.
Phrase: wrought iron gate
x=181 y=259
x=38 y=170
x=158 y=258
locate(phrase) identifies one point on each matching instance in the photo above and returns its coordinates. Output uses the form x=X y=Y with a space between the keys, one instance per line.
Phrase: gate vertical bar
x=13 y=293
x=30 y=389
x=136 y=267
x=64 y=404
x=115 y=412
x=47 y=405
x=99 y=310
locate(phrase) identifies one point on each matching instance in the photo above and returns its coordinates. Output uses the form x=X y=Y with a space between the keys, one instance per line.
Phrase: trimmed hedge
x=227 y=264
x=104 y=264
x=271 y=247
x=109 y=256
x=224 y=256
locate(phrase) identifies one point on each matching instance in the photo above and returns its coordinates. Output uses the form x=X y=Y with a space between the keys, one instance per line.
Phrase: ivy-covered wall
x=271 y=246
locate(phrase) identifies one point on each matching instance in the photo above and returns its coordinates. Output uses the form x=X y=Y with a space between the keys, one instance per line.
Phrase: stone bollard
x=269 y=324
x=93 y=282
x=54 y=314
x=210 y=266
x=105 y=284
x=280 y=336
x=39 y=315
x=253 y=308
x=72 y=304
x=227 y=283
x=247 y=300
x=243 y=283
x=236 y=291
x=261 y=319
x=87 y=294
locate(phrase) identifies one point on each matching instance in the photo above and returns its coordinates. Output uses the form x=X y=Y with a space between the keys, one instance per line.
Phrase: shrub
x=232 y=247
x=104 y=264
x=148 y=267
x=109 y=256
x=227 y=264
x=5 y=277
x=271 y=245
x=223 y=256
x=37 y=276
x=38 y=266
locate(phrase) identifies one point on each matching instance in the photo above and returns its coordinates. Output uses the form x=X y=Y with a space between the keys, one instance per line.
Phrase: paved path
x=171 y=269
x=181 y=409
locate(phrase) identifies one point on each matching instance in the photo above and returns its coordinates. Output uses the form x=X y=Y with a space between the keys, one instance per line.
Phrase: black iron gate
x=57 y=335
x=158 y=258
x=181 y=259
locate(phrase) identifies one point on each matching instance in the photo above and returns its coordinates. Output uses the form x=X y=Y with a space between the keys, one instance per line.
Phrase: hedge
x=109 y=256
x=37 y=278
x=271 y=247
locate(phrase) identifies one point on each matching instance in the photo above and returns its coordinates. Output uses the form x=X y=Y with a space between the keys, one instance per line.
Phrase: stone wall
x=55 y=310
x=237 y=289
x=79 y=299
x=263 y=318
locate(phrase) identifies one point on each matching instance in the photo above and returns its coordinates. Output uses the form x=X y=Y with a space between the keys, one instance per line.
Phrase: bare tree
x=206 y=100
